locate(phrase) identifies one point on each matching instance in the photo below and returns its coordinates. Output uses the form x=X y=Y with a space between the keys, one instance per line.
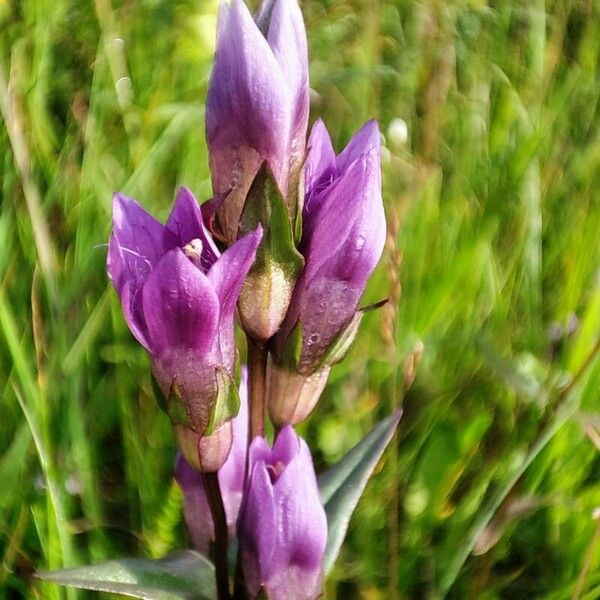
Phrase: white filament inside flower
x=193 y=250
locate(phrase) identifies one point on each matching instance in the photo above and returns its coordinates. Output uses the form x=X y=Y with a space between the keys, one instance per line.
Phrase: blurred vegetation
x=491 y=264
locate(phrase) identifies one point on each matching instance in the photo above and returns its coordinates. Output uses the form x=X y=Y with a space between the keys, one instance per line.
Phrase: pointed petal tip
x=127 y=211
x=287 y=445
x=185 y=191
x=184 y=198
x=119 y=197
x=318 y=132
x=120 y=203
x=238 y=15
x=371 y=133
x=258 y=232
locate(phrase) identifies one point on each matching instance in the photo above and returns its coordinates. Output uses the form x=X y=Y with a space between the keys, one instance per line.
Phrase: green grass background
x=492 y=264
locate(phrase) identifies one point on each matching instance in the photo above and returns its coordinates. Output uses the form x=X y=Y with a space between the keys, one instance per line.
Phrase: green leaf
x=341 y=486
x=182 y=575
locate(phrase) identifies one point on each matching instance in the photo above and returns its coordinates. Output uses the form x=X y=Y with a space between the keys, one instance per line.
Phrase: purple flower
x=282 y=528
x=231 y=480
x=258 y=101
x=178 y=296
x=343 y=237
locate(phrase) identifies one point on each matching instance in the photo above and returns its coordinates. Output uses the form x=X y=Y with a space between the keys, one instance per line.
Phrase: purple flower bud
x=258 y=100
x=282 y=528
x=178 y=296
x=231 y=479
x=343 y=237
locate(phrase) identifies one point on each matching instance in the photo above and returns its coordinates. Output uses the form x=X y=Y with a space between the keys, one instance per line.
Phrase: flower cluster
x=290 y=238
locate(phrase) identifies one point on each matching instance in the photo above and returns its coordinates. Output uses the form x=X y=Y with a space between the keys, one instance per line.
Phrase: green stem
x=217 y=509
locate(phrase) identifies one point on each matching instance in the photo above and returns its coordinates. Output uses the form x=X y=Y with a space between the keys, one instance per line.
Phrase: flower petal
x=195 y=505
x=334 y=211
x=256 y=526
x=296 y=570
x=259 y=451
x=287 y=38
x=222 y=18
x=341 y=254
x=262 y=18
x=248 y=103
x=282 y=527
x=321 y=162
x=365 y=140
x=185 y=222
x=286 y=446
x=136 y=244
x=180 y=306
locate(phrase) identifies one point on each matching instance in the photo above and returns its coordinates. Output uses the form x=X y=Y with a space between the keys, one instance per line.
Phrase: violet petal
x=185 y=222
x=136 y=244
x=321 y=167
x=287 y=38
x=248 y=102
x=180 y=306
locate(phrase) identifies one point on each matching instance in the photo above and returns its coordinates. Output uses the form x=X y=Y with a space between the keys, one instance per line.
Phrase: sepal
x=171 y=404
x=341 y=345
x=227 y=403
x=269 y=285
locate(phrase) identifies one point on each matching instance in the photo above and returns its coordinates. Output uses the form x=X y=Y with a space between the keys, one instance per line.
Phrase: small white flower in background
x=397 y=132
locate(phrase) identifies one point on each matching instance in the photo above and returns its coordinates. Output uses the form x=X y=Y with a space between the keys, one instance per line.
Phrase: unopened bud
x=291 y=395
x=282 y=527
x=205 y=453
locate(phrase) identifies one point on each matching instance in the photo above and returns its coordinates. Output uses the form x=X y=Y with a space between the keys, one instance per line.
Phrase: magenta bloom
x=178 y=296
x=282 y=528
x=231 y=480
x=257 y=104
x=343 y=237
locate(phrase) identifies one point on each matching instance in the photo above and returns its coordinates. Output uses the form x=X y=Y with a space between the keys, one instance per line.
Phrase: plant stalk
x=257 y=373
x=239 y=588
x=217 y=509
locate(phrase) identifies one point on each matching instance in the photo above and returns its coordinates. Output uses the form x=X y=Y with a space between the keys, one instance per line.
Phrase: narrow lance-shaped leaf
x=180 y=576
x=341 y=486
